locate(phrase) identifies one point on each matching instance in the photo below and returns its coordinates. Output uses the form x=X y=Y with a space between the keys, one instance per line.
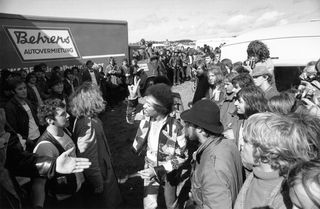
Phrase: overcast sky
x=176 y=19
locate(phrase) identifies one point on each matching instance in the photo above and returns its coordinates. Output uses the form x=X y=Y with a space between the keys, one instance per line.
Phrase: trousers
x=151 y=191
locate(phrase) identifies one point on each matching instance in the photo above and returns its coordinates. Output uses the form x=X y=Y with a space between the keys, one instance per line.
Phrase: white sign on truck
x=42 y=43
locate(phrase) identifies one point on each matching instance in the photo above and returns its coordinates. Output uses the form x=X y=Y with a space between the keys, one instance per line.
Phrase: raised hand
x=134 y=88
x=66 y=164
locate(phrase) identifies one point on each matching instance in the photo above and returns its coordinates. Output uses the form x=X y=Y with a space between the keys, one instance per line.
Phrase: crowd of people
x=241 y=144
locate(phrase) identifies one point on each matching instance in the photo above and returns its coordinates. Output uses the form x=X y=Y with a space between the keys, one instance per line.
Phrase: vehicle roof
x=277 y=32
x=61 y=19
x=289 y=45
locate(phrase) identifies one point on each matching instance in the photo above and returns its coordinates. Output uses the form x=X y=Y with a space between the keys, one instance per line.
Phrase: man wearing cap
x=263 y=79
x=217 y=170
x=161 y=139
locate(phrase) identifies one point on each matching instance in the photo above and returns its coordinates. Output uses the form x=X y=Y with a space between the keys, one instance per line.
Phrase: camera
x=250 y=63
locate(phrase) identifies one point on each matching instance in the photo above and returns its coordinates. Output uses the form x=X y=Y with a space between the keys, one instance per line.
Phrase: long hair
x=86 y=100
x=277 y=141
x=254 y=99
x=216 y=70
x=282 y=104
x=307 y=174
x=310 y=125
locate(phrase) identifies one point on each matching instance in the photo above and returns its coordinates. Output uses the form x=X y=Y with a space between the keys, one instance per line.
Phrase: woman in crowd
x=22 y=115
x=304 y=185
x=272 y=145
x=101 y=185
x=216 y=91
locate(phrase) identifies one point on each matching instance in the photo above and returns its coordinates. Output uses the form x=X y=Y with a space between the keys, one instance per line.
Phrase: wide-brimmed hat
x=204 y=114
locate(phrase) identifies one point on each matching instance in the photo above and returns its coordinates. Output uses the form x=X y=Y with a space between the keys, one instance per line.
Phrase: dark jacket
x=20 y=163
x=67 y=87
x=100 y=177
x=18 y=118
x=87 y=78
x=42 y=85
x=217 y=177
x=32 y=97
x=202 y=88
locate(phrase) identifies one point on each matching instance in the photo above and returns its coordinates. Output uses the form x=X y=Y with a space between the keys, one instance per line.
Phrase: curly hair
x=48 y=110
x=163 y=94
x=86 y=100
x=277 y=141
x=258 y=49
x=254 y=99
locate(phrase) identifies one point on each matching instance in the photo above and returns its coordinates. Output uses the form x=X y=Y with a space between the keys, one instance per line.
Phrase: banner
x=42 y=43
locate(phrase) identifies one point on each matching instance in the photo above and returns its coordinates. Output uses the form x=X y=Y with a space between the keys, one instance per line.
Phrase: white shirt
x=241 y=142
x=93 y=77
x=153 y=139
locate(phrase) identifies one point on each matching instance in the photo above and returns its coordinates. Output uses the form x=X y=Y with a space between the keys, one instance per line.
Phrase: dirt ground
x=120 y=137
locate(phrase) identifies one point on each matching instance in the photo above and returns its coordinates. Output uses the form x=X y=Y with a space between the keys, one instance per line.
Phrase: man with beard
x=217 y=170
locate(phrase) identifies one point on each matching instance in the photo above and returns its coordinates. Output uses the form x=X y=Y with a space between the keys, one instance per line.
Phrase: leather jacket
x=21 y=163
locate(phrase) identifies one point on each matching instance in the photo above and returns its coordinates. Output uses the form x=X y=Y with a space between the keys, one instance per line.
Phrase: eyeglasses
x=256 y=76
